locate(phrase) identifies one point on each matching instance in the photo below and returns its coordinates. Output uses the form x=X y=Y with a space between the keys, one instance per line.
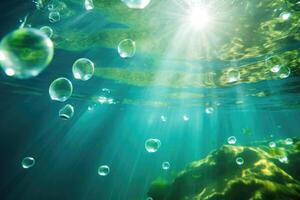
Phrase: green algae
x=217 y=176
x=250 y=31
x=250 y=73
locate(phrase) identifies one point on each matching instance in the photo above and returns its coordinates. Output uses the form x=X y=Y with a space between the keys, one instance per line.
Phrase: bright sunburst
x=199 y=17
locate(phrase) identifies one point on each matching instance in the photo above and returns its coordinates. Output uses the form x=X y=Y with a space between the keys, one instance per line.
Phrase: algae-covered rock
x=267 y=173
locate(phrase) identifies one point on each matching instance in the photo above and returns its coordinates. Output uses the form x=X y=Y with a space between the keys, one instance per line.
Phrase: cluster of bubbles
x=105 y=100
x=28 y=162
x=103 y=170
x=26 y=52
x=39 y=4
x=281 y=158
x=152 y=145
x=55 y=8
x=61 y=89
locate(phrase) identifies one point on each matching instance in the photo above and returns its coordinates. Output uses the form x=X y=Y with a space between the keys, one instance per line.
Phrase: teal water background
x=68 y=153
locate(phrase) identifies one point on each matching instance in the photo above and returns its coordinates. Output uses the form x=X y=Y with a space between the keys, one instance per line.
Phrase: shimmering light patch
x=209 y=110
x=89 y=4
x=272 y=144
x=103 y=170
x=185 y=118
x=289 y=141
x=2 y=56
x=149 y=198
x=9 y=72
x=163 y=118
x=28 y=162
x=165 y=165
x=49 y=43
x=152 y=145
x=265 y=166
x=106 y=90
x=283 y=159
x=239 y=161
x=275 y=69
x=91 y=107
x=285 y=15
x=231 y=140
x=199 y=17
x=239 y=102
x=105 y=100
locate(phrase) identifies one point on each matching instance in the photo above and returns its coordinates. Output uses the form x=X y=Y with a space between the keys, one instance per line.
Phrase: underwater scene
x=150 y=100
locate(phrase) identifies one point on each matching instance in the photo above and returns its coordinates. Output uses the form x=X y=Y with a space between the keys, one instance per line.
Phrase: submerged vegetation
x=266 y=173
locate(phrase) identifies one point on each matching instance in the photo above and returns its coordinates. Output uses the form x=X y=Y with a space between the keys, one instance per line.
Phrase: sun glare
x=199 y=18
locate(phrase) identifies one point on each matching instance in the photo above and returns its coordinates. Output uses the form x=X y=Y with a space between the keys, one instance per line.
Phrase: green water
x=147 y=93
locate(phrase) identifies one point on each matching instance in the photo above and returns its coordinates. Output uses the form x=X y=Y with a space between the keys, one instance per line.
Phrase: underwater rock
x=218 y=177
